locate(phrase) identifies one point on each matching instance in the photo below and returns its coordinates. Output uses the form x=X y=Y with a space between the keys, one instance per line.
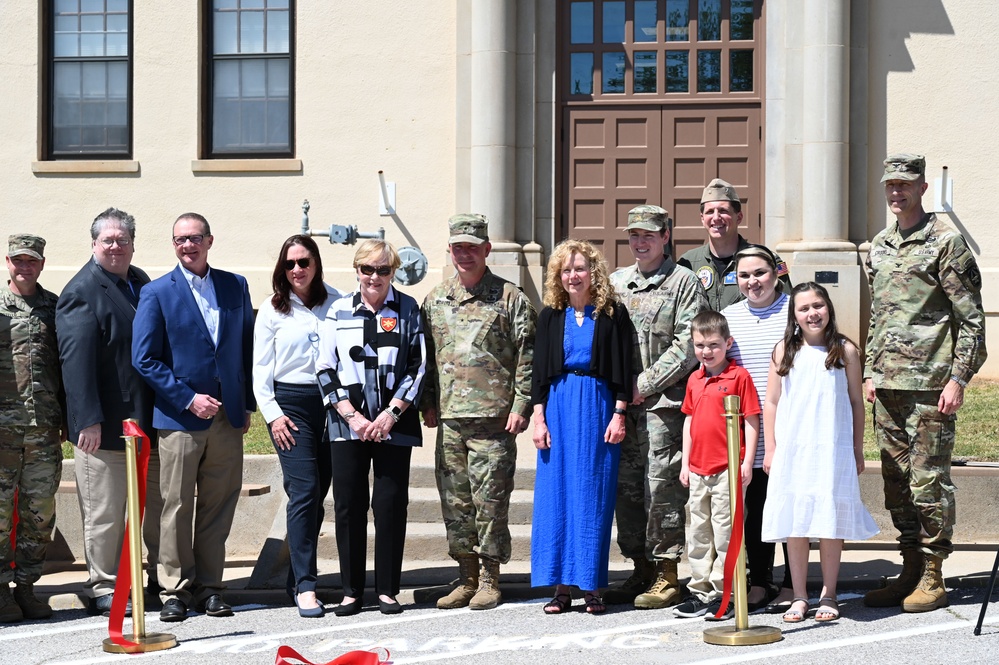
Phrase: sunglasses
x=302 y=263
x=195 y=239
x=383 y=271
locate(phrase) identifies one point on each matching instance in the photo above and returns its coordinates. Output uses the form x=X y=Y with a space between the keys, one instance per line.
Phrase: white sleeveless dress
x=813 y=490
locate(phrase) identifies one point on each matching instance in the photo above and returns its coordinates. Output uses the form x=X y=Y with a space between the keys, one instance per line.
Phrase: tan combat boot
x=10 y=612
x=31 y=607
x=468 y=583
x=628 y=590
x=488 y=596
x=664 y=590
x=930 y=593
x=899 y=588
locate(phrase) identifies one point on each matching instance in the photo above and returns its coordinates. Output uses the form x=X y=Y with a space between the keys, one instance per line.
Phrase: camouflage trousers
x=31 y=465
x=650 y=499
x=916 y=442
x=476 y=459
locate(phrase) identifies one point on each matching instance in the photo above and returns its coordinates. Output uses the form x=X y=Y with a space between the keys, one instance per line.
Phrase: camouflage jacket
x=661 y=308
x=723 y=290
x=480 y=345
x=927 y=321
x=30 y=382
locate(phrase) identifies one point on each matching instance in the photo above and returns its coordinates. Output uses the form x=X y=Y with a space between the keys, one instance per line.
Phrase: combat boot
x=628 y=590
x=664 y=590
x=930 y=593
x=899 y=588
x=10 y=612
x=31 y=607
x=488 y=596
x=468 y=583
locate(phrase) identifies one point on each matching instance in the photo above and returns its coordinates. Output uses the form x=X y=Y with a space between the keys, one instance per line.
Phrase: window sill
x=246 y=165
x=84 y=166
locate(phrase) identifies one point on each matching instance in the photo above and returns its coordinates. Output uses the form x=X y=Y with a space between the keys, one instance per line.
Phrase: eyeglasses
x=383 y=271
x=122 y=242
x=195 y=239
x=302 y=263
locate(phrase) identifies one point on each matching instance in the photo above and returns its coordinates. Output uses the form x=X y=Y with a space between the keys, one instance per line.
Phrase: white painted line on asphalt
x=845 y=642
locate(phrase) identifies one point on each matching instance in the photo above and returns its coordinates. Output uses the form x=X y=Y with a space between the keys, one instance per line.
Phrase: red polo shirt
x=705 y=403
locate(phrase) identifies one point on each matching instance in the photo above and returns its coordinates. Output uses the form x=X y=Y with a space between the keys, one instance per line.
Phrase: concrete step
x=421 y=475
x=425 y=505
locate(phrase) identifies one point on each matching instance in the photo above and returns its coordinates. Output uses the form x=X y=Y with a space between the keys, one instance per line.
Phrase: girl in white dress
x=814 y=425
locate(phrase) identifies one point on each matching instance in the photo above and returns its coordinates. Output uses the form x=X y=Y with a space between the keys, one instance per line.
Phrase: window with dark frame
x=88 y=82
x=249 y=101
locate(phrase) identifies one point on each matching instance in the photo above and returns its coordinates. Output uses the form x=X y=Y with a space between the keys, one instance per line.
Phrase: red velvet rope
x=732 y=555
x=123 y=583
x=288 y=656
x=13 y=534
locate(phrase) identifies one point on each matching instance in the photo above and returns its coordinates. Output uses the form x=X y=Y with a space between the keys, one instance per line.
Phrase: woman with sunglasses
x=285 y=350
x=372 y=359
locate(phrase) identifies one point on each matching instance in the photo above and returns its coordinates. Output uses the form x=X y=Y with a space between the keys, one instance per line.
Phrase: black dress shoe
x=349 y=609
x=214 y=606
x=173 y=610
x=389 y=608
x=102 y=606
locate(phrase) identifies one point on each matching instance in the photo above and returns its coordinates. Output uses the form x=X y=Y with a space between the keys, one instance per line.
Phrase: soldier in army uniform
x=31 y=419
x=662 y=299
x=478 y=391
x=721 y=215
x=926 y=341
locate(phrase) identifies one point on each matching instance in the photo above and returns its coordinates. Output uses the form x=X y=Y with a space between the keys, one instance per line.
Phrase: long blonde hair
x=602 y=294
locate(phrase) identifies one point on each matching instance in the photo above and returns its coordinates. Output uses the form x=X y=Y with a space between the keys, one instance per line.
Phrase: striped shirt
x=756 y=333
x=370 y=358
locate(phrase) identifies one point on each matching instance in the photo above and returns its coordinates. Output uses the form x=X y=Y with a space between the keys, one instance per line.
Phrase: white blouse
x=286 y=347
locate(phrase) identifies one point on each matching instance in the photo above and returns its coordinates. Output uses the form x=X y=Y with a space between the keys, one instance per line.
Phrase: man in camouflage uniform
x=721 y=215
x=31 y=417
x=926 y=341
x=662 y=299
x=478 y=390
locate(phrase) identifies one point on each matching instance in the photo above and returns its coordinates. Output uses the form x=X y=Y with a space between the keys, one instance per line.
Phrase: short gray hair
x=113 y=216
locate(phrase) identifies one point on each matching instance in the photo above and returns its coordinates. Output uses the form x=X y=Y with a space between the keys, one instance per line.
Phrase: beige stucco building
x=480 y=105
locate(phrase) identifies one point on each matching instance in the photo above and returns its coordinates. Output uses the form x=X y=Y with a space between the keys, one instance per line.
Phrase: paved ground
x=518 y=632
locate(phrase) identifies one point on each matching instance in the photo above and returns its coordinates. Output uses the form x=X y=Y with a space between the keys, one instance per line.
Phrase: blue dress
x=576 y=481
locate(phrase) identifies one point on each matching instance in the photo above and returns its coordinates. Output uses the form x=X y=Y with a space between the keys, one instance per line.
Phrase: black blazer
x=94 y=327
x=611 y=358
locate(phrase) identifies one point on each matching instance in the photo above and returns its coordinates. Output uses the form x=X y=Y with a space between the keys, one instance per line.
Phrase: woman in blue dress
x=581 y=383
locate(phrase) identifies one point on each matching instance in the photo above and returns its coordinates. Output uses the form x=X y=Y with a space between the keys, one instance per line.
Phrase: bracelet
x=348 y=416
x=392 y=414
x=621 y=412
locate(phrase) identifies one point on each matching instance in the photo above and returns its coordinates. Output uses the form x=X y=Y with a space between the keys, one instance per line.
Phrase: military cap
x=468 y=227
x=648 y=218
x=719 y=190
x=24 y=243
x=904 y=166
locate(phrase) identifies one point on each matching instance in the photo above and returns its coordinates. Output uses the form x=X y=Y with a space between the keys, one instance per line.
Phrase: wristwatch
x=959 y=381
x=395 y=412
x=619 y=411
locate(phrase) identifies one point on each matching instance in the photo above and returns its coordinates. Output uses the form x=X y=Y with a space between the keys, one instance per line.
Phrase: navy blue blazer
x=173 y=350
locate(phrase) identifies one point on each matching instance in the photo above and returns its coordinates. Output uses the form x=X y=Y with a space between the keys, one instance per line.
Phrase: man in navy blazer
x=94 y=318
x=192 y=343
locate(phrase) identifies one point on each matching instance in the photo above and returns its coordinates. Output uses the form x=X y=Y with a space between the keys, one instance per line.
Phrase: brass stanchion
x=143 y=642
x=742 y=633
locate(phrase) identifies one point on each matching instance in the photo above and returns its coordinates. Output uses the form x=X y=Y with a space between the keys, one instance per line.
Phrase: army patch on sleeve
x=730 y=278
x=781 y=268
x=707 y=276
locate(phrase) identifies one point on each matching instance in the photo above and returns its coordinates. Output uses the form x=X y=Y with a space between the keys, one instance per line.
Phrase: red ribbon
x=13 y=534
x=732 y=555
x=123 y=583
x=285 y=656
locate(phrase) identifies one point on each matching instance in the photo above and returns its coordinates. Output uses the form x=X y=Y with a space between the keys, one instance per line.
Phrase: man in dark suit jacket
x=193 y=344
x=94 y=319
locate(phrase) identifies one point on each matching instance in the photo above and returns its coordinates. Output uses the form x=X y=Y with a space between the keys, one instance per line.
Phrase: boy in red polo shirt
x=704 y=468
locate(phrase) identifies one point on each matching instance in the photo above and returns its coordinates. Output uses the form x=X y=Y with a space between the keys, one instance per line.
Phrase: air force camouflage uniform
x=31 y=415
x=650 y=499
x=927 y=327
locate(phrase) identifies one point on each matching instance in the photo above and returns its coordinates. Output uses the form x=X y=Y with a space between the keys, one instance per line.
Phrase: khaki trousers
x=708 y=535
x=193 y=530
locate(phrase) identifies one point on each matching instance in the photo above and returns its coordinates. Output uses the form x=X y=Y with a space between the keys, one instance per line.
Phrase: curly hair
x=602 y=295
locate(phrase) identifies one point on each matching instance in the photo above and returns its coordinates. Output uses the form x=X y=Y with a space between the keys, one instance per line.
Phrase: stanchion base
x=730 y=636
x=144 y=643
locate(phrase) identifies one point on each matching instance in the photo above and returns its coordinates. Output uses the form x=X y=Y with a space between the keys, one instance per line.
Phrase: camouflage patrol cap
x=468 y=227
x=648 y=218
x=719 y=190
x=904 y=166
x=23 y=243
